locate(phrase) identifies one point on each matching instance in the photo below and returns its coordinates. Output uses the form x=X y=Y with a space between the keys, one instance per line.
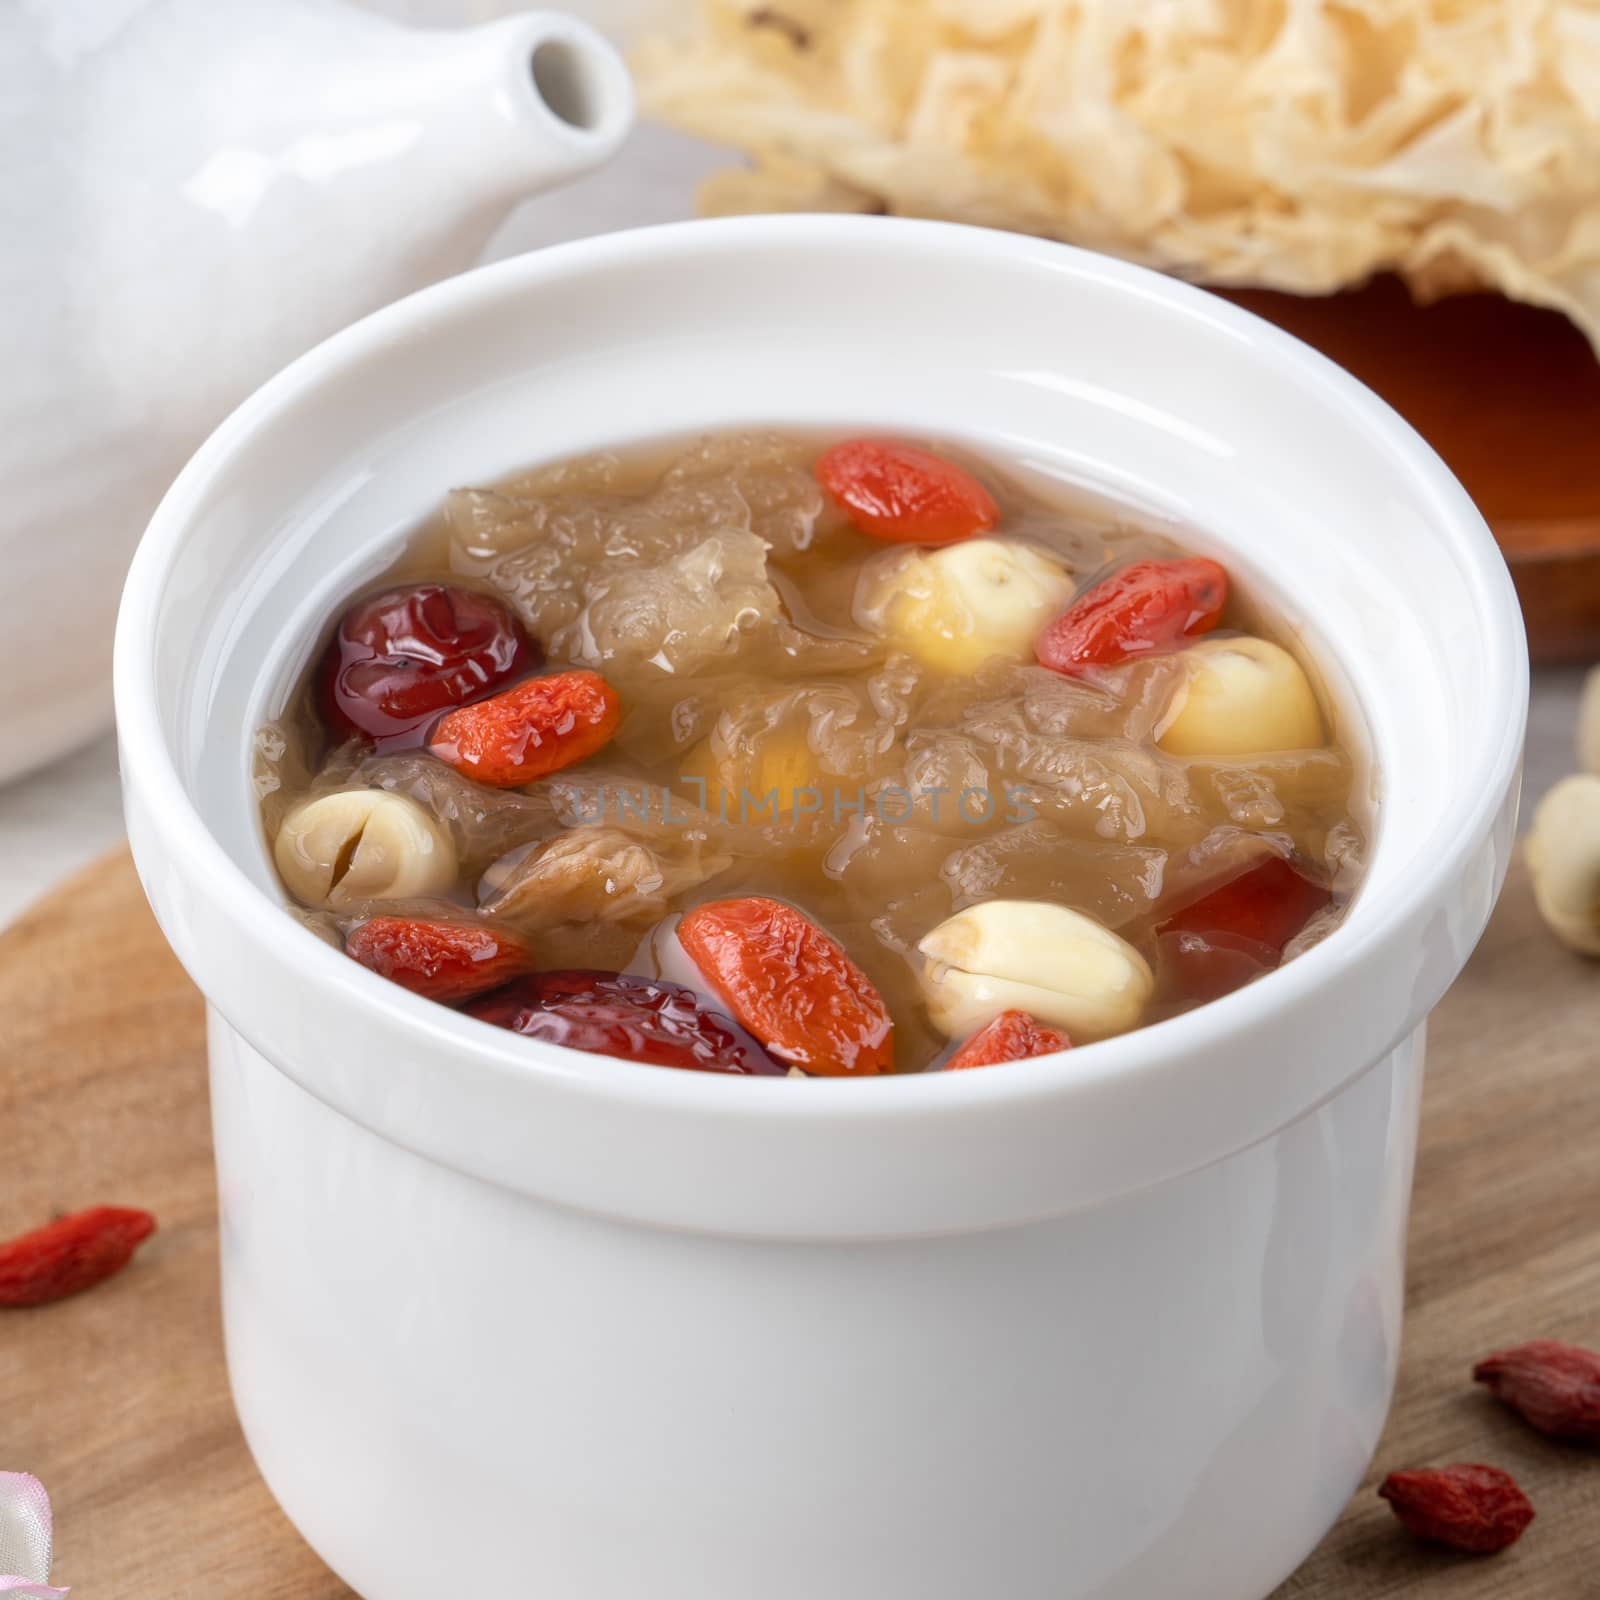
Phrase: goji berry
x=1468 y=1507
x=904 y=495
x=534 y=728
x=618 y=1014
x=445 y=961
x=70 y=1254
x=400 y=658
x=1147 y=609
x=1238 y=930
x=791 y=985
x=1553 y=1387
x=1012 y=1036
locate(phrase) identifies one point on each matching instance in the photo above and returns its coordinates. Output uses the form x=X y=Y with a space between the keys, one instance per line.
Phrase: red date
x=402 y=657
x=1208 y=966
x=617 y=1014
x=1218 y=943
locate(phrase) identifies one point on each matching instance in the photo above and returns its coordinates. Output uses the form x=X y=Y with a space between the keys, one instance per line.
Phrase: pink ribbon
x=25 y=1536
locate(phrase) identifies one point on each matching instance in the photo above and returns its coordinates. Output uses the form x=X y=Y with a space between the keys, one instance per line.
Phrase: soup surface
x=766 y=754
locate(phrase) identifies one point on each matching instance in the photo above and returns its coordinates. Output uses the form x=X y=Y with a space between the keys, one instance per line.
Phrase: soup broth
x=869 y=756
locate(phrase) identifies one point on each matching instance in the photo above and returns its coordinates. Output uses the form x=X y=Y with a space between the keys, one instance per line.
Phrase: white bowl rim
x=1150 y=1053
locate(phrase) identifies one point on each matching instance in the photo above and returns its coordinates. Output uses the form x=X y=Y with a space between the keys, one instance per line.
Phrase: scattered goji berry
x=1147 y=609
x=618 y=1014
x=534 y=728
x=446 y=961
x=791 y=985
x=70 y=1254
x=1238 y=930
x=401 y=657
x=1469 y=1507
x=904 y=495
x=1012 y=1036
x=1553 y=1387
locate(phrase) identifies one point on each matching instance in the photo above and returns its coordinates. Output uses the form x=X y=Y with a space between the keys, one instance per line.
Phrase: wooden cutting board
x=118 y=1399
x=1509 y=395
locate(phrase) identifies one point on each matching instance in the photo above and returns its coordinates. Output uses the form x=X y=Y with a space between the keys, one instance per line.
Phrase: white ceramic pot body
x=1117 y=1324
x=202 y=190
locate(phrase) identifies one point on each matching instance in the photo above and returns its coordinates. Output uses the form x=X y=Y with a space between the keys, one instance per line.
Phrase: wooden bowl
x=1509 y=395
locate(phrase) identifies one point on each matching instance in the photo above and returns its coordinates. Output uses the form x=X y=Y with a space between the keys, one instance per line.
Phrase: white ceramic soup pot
x=1121 y=1323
